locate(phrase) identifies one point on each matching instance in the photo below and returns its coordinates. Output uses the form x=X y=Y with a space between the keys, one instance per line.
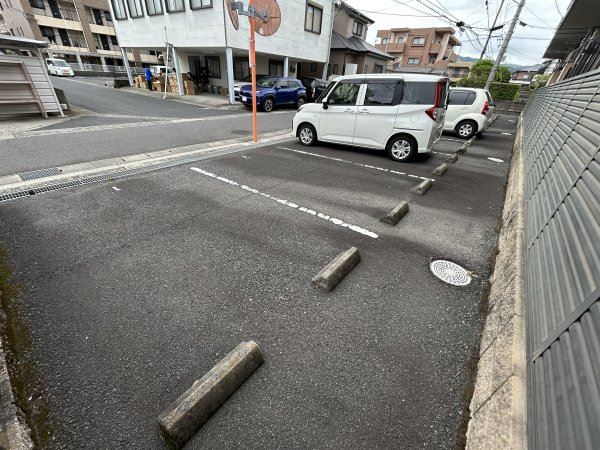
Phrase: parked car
x=469 y=111
x=275 y=91
x=314 y=87
x=237 y=85
x=59 y=67
x=400 y=113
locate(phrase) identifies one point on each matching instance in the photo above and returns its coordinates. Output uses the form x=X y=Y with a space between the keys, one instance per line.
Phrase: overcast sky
x=527 y=46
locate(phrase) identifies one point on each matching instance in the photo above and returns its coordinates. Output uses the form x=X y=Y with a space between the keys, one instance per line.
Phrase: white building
x=204 y=37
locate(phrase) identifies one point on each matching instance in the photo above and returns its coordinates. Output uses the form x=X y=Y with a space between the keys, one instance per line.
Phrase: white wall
x=203 y=29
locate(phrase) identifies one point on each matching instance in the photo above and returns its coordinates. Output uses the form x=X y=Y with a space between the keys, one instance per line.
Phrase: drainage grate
x=7 y=197
x=450 y=273
x=36 y=174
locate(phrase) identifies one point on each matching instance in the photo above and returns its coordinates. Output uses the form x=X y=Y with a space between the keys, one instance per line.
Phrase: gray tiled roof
x=357 y=45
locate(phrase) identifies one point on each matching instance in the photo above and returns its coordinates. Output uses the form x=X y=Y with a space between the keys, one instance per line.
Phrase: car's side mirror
x=325 y=103
x=277 y=88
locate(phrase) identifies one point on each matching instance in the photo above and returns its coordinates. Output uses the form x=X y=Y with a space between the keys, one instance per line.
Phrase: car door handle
x=364 y=111
x=349 y=111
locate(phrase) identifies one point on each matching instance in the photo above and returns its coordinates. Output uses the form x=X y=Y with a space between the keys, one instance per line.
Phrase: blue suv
x=274 y=91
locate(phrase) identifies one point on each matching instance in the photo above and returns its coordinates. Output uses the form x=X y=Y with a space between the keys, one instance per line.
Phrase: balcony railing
x=107 y=69
x=61 y=13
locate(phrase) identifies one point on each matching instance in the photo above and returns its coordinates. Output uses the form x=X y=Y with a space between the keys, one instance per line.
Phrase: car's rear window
x=418 y=93
x=489 y=97
x=462 y=97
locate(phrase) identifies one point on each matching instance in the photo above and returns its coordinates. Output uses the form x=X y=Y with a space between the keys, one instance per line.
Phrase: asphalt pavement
x=116 y=123
x=132 y=289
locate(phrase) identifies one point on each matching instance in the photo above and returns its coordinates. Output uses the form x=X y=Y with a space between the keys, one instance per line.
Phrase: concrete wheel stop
x=394 y=216
x=336 y=270
x=452 y=158
x=440 y=170
x=184 y=417
x=422 y=187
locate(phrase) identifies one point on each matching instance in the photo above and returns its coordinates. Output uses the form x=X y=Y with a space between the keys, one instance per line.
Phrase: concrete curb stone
x=336 y=270
x=394 y=216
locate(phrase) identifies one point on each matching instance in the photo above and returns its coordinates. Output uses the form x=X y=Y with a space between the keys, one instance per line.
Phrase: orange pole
x=253 y=71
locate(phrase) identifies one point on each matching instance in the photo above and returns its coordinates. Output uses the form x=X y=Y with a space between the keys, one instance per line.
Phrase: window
x=241 y=68
x=313 y=67
x=384 y=41
x=460 y=97
x=384 y=93
x=154 y=7
x=344 y=94
x=113 y=40
x=175 y=6
x=37 y=4
x=199 y=4
x=400 y=40
x=418 y=41
x=48 y=33
x=119 y=9
x=313 y=19
x=213 y=64
x=357 y=28
x=418 y=93
x=377 y=68
x=275 y=68
x=135 y=8
x=414 y=61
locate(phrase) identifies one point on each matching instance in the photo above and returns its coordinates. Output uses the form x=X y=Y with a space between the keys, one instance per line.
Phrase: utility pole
x=502 y=51
x=494 y=28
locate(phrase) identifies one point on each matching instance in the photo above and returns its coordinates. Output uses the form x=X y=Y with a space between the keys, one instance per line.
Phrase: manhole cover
x=450 y=273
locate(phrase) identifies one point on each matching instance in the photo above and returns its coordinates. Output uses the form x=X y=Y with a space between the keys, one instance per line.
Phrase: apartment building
x=418 y=47
x=82 y=31
x=457 y=70
x=203 y=37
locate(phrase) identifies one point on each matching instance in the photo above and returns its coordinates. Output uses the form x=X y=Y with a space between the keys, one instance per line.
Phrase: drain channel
x=36 y=174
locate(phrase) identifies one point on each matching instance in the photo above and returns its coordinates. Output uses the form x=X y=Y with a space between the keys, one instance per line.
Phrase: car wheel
x=301 y=101
x=307 y=134
x=402 y=148
x=268 y=105
x=466 y=129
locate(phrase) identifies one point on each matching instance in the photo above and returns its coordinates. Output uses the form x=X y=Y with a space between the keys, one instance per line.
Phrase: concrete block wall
x=498 y=407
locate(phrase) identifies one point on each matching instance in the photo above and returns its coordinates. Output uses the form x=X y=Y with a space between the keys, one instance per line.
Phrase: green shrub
x=499 y=91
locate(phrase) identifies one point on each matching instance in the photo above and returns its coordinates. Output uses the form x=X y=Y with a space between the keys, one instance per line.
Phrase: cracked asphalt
x=132 y=295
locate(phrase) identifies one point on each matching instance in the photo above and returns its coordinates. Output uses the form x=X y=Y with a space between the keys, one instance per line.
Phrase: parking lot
x=133 y=288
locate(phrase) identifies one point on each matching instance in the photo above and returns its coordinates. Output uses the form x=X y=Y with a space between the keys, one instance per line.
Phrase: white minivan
x=469 y=111
x=400 y=113
x=59 y=67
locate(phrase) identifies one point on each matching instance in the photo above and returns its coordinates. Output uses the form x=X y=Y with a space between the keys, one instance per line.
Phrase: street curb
x=394 y=216
x=14 y=434
x=440 y=170
x=498 y=410
x=422 y=187
x=118 y=167
x=184 y=417
x=336 y=270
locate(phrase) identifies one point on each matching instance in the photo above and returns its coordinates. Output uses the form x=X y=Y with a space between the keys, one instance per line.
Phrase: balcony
x=435 y=48
x=59 y=18
x=394 y=47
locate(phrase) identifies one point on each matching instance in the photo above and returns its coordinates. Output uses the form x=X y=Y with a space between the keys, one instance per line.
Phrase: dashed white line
x=367 y=166
x=116 y=188
x=441 y=153
x=289 y=204
x=495 y=159
x=507 y=134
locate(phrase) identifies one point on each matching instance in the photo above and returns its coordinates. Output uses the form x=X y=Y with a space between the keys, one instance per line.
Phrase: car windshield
x=268 y=82
x=58 y=63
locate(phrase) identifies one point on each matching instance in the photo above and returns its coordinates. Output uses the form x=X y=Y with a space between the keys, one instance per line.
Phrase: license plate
x=244 y=99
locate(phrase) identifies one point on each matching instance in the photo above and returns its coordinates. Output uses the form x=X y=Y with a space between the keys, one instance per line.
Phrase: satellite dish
x=233 y=15
x=273 y=12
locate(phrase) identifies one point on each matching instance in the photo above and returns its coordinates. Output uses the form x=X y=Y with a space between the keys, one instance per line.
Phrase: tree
x=482 y=68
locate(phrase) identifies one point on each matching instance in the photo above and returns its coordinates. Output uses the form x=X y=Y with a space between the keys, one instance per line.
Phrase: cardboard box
x=158 y=86
x=189 y=87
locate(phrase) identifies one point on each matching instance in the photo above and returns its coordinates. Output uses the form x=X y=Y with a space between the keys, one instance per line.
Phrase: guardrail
x=106 y=69
x=561 y=136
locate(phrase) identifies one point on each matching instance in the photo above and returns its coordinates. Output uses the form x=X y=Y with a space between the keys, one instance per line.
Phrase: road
x=118 y=123
x=131 y=294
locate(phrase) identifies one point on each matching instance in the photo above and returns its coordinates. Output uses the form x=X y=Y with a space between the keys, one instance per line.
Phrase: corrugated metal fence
x=561 y=139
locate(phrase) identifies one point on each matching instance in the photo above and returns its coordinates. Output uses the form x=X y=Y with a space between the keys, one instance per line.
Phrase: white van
x=59 y=67
x=400 y=113
x=469 y=111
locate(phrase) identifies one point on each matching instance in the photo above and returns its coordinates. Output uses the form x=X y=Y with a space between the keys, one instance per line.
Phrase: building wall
x=210 y=29
x=343 y=24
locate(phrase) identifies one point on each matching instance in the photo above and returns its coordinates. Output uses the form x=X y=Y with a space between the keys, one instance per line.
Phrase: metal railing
x=66 y=14
x=561 y=154
x=107 y=69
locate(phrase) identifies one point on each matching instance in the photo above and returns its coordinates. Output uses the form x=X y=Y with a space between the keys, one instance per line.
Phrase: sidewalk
x=204 y=99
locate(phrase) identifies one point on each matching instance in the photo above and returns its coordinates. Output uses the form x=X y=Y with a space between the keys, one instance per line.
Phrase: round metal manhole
x=450 y=273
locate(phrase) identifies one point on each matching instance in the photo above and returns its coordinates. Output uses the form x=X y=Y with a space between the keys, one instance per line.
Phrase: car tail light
x=486 y=108
x=431 y=112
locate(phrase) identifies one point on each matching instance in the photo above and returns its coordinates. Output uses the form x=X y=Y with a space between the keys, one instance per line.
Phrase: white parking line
x=451 y=139
x=367 y=166
x=441 y=153
x=289 y=204
x=116 y=188
x=507 y=134
x=495 y=159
